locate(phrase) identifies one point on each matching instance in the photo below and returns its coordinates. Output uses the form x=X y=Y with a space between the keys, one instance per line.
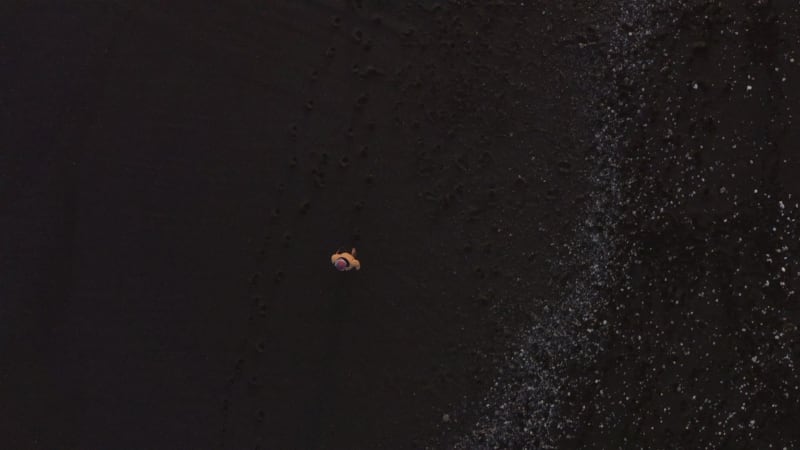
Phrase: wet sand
x=577 y=225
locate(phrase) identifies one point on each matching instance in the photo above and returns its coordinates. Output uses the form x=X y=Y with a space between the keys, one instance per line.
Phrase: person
x=344 y=261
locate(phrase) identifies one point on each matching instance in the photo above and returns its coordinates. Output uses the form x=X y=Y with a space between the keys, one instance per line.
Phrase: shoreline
x=609 y=188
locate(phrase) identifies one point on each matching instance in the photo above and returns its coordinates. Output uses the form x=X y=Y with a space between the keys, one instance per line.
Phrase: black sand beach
x=577 y=224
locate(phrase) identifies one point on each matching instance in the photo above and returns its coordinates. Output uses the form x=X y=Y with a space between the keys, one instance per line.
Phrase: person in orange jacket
x=345 y=261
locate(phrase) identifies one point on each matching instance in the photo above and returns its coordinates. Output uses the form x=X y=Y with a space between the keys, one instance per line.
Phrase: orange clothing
x=352 y=262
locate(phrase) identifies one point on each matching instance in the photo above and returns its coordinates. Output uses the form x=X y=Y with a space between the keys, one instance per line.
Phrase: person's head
x=340 y=264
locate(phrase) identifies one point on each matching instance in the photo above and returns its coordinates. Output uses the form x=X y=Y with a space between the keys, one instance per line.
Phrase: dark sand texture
x=577 y=223
x=181 y=174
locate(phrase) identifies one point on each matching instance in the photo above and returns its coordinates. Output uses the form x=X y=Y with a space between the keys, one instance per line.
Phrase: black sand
x=594 y=184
